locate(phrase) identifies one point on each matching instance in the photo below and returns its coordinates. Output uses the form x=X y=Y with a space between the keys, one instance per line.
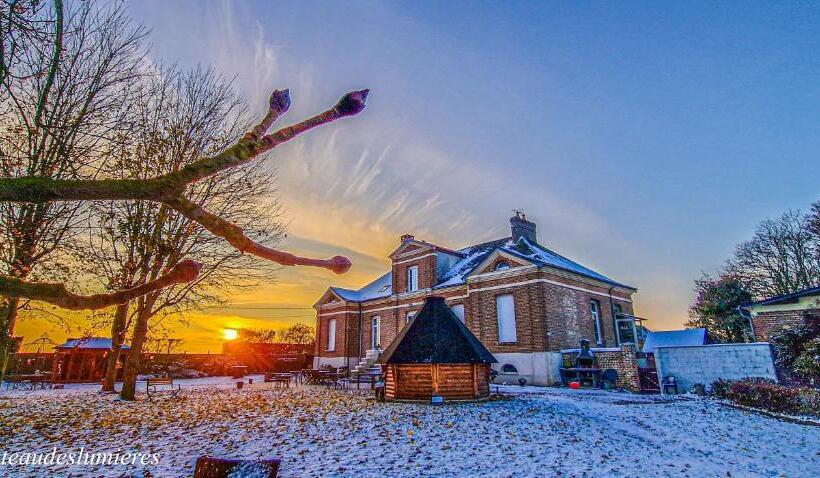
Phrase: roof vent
x=521 y=227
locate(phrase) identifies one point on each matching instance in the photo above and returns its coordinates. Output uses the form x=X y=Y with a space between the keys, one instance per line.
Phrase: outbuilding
x=436 y=355
x=82 y=360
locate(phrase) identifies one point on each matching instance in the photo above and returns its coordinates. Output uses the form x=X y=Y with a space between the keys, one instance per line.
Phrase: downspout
x=361 y=331
x=740 y=310
x=614 y=323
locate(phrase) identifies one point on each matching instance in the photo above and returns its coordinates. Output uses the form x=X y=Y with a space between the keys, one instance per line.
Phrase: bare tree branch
x=57 y=294
x=168 y=189
x=38 y=189
x=237 y=238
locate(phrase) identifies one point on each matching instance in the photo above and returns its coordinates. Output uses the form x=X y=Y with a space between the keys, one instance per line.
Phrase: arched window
x=507 y=368
x=502 y=266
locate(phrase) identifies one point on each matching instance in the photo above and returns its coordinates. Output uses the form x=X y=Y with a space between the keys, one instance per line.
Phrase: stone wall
x=621 y=359
x=706 y=363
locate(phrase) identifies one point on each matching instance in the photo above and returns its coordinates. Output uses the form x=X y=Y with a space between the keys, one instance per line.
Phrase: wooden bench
x=157 y=385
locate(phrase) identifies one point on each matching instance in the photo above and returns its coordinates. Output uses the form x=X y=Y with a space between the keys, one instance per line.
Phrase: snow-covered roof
x=89 y=343
x=525 y=249
x=381 y=287
x=472 y=257
x=674 y=338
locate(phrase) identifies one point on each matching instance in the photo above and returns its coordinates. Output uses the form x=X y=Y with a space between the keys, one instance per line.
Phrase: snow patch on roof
x=89 y=343
x=381 y=287
x=674 y=338
x=474 y=255
x=541 y=254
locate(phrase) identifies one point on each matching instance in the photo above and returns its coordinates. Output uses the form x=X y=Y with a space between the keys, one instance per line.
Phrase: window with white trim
x=595 y=310
x=458 y=309
x=375 y=332
x=412 y=278
x=502 y=266
x=410 y=316
x=505 y=308
x=331 y=335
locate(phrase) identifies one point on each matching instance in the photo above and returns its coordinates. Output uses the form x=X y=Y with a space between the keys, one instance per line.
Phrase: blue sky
x=645 y=139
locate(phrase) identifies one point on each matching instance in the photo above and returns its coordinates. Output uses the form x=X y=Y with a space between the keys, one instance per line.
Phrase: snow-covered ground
x=317 y=432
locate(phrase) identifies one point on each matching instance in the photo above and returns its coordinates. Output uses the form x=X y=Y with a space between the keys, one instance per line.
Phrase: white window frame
x=410 y=316
x=618 y=330
x=505 y=313
x=595 y=310
x=375 y=331
x=331 y=335
x=412 y=278
x=461 y=316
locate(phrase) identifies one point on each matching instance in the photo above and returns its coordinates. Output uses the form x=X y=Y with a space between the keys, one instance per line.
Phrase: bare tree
x=63 y=74
x=256 y=336
x=298 y=334
x=781 y=258
x=814 y=220
x=180 y=118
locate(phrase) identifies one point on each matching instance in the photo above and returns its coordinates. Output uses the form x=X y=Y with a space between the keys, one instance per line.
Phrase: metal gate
x=649 y=380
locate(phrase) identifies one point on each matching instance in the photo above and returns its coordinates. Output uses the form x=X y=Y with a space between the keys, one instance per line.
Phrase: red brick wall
x=767 y=324
x=622 y=360
x=427 y=271
x=549 y=317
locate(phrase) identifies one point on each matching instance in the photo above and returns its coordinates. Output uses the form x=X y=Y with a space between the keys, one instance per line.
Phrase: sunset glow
x=230 y=334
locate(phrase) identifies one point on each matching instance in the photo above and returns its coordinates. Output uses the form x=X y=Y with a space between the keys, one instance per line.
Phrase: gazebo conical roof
x=436 y=335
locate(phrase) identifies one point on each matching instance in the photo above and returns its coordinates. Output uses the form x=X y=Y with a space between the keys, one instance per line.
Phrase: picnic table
x=238 y=371
x=364 y=377
x=30 y=381
x=279 y=379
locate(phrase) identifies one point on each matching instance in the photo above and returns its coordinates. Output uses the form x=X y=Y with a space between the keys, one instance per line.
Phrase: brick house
x=771 y=315
x=524 y=302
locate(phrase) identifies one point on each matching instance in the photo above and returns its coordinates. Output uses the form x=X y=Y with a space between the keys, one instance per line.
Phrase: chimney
x=521 y=227
x=406 y=237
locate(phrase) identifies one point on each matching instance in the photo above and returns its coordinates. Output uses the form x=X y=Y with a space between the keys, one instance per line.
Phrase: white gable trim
x=399 y=252
x=496 y=254
x=414 y=258
x=547 y=281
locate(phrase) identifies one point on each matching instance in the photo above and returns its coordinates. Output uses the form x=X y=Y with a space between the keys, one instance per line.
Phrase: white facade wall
x=538 y=368
x=704 y=364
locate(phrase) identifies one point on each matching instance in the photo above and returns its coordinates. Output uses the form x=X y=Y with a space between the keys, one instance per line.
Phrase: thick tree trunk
x=8 y=315
x=134 y=357
x=117 y=335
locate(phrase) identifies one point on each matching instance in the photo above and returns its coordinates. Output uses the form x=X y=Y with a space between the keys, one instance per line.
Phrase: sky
x=644 y=139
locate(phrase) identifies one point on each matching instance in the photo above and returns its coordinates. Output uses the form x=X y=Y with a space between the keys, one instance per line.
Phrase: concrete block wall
x=706 y=363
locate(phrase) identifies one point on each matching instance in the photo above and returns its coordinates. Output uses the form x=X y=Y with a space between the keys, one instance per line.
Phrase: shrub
x=796 y=350
x=808 y=363
x=810 y=402
x=720 y=387
x=766 y=396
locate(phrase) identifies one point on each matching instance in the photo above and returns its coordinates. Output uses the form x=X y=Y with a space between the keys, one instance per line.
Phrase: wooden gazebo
x=436 y=355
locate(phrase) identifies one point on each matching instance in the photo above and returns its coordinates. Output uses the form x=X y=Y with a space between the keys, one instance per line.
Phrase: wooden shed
x=82 y=360
x=436 y=355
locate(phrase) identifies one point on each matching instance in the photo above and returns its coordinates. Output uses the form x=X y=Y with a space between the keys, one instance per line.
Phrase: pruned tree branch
x=57 y=294
x=38 y=189
x=169 y=189
x=237 y=238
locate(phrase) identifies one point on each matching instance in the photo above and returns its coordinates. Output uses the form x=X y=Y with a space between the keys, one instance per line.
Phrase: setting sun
x=229 y=334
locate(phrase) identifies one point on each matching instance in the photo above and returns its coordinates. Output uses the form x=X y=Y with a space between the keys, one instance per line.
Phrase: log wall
x=423 y=381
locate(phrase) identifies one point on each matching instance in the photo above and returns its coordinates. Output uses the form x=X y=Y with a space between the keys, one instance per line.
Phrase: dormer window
x=502 y=266
x=412 y=278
